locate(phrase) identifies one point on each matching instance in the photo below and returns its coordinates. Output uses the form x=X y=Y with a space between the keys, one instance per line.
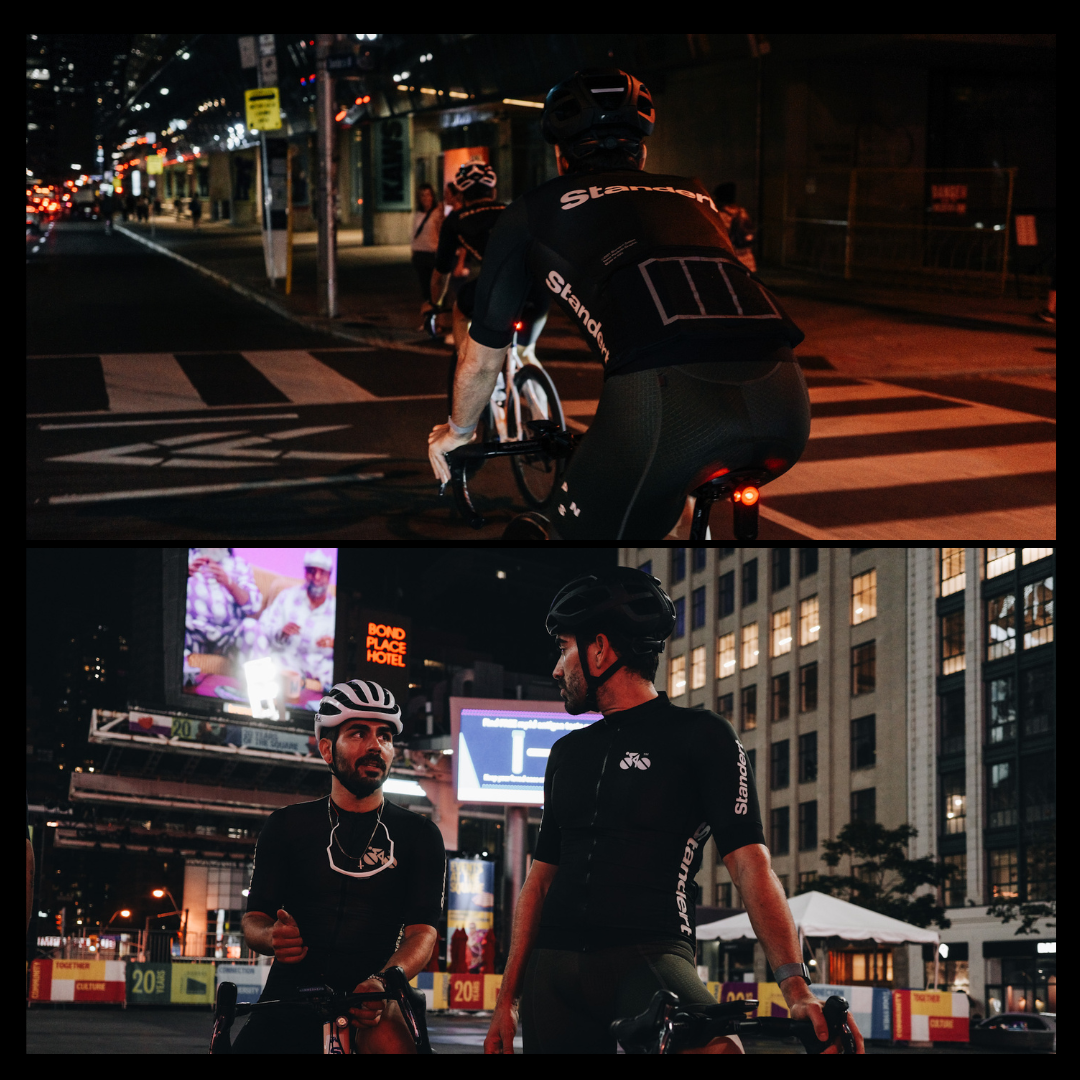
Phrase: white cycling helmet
x=357 y=699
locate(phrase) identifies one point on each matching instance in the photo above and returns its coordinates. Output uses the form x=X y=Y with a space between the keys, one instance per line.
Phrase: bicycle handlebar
x=550 y=439
x=664 y=1021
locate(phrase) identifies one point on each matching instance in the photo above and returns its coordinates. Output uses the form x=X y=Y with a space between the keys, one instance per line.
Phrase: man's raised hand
x=289 y=947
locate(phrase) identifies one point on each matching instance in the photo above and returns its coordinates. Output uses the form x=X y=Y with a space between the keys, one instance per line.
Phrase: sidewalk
x=379 y=300
x=925 y=305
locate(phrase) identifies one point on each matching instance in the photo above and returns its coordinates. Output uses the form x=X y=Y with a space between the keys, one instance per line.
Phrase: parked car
x=1016 y=1031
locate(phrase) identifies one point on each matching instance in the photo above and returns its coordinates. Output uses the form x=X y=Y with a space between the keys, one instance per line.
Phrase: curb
x=273 y=305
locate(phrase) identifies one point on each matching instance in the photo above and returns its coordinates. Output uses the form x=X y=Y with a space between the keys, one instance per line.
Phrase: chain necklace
x=335 y=825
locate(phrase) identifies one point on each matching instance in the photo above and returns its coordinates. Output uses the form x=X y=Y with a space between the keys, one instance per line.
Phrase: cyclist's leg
x=667 y=967
x=389 y=1036
x=656 y=430
x=563 y=1010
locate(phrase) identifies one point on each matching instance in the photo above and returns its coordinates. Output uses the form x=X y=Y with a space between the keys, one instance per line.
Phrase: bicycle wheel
x=537 y=475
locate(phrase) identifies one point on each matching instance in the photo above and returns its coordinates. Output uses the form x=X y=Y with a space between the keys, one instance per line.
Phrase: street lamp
x=159 y=893
x=124 y=913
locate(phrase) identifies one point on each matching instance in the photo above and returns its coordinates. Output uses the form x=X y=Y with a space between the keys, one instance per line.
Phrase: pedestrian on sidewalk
x=196 y=210
x=738 y=224
x=157 y=207
x=128 y=207
x=178 y=206
x=425 y=239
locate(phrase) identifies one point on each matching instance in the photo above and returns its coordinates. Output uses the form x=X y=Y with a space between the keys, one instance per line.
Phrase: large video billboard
x=501 y=747
x=261 y=621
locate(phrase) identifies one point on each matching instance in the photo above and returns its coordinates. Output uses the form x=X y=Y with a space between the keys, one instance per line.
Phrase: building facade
x=803 y=650
x=981 y=716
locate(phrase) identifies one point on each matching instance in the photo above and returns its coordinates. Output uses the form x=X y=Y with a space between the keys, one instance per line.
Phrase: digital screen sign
x=502 y=747
x=259 y=626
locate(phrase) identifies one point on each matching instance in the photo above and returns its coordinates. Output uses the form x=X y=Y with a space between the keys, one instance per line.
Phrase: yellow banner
x=263 y=109
x=927 y=1003
x=192 y=984
x=153 y=165
x=79 y=969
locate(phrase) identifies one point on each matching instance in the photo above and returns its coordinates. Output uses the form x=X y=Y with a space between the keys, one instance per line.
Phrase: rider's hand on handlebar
x=810 y=1009
x=369 y=1013
x=289 y=947
x=500 y=1036
x=440 y=442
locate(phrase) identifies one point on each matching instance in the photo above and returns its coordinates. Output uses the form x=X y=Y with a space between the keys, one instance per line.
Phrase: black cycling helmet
x=604 y=106
x=624 y=599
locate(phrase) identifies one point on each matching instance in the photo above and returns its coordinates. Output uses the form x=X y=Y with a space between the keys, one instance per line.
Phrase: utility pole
x=327 y=225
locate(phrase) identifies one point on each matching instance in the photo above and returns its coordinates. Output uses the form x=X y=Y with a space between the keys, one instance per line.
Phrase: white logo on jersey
x=692 y=844
x=635 y=761
x=562 y=288
x=744 y=789
x=580 y=196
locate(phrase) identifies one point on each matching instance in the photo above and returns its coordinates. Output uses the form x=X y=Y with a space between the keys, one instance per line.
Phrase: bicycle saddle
x=637 y=1033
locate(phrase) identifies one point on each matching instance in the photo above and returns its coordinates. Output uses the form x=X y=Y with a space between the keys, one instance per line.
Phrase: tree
x=882 y=877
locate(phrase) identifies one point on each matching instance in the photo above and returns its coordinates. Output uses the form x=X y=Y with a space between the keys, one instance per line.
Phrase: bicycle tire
x=224 y=1014
x=537 y=475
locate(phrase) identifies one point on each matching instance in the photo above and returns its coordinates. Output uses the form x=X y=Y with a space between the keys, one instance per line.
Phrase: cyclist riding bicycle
x=344 y=887
x=467 y=230
x=606 y=915
x=699 y=372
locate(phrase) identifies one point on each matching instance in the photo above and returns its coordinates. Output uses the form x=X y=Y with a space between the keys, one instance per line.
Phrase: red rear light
x=747 y=496
x=519 y=326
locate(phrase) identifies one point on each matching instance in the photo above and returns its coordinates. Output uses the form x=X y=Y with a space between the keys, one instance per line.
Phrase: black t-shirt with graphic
x=351 y=921
x=629 y=803
x=641 y=262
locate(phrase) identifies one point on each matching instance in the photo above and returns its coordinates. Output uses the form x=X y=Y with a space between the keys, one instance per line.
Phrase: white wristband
x=459 y=431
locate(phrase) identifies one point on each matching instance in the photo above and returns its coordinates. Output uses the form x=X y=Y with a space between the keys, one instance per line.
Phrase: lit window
x=677 y=677
x=809 y=620
x=864 y=597
x=781 y=632
x=1000 y=561
x=952 y=570
x=1035 y=554
x=1000 y=626
x=1039 y=613
x=750 y=646
x=725 y=655
x=697 y=668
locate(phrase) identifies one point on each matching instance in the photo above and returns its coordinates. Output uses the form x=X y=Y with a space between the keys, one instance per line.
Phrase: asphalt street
x=161 y=405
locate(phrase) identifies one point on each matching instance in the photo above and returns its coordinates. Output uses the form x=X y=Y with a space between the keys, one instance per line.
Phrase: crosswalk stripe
x=147 y=382
x=305 y=380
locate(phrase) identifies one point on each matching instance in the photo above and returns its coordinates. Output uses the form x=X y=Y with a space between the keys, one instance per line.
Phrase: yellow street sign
x=263 y=109
x=153 y=165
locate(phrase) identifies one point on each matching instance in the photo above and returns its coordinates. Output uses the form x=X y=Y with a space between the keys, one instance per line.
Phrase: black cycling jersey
x=629 y=803
x=469 y=228
x=641 y=262
x=350 y=922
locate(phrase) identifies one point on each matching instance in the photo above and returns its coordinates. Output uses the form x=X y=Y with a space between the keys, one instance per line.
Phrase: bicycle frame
x=331 y=1007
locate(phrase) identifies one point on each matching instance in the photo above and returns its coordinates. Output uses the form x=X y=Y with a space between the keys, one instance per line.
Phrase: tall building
x=981 y=705
x=802 y=650
x=892 y=685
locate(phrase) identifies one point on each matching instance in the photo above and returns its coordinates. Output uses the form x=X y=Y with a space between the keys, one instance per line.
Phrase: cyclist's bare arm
x=477 y=371
x=530 y=904
x=279 y=937
x=415 y=951
x=763 y=897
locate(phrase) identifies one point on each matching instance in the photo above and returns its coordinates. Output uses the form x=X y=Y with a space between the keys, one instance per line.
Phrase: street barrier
x=175 y=983
x=249 y=979
x=930 y=1016
x=77 y=980
x=446 y=991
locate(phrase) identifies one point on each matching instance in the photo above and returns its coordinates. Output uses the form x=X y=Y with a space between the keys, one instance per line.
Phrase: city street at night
x=161 y=403
x=258 y=281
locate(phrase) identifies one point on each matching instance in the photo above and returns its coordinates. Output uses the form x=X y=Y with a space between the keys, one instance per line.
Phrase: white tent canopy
x=819 y=915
